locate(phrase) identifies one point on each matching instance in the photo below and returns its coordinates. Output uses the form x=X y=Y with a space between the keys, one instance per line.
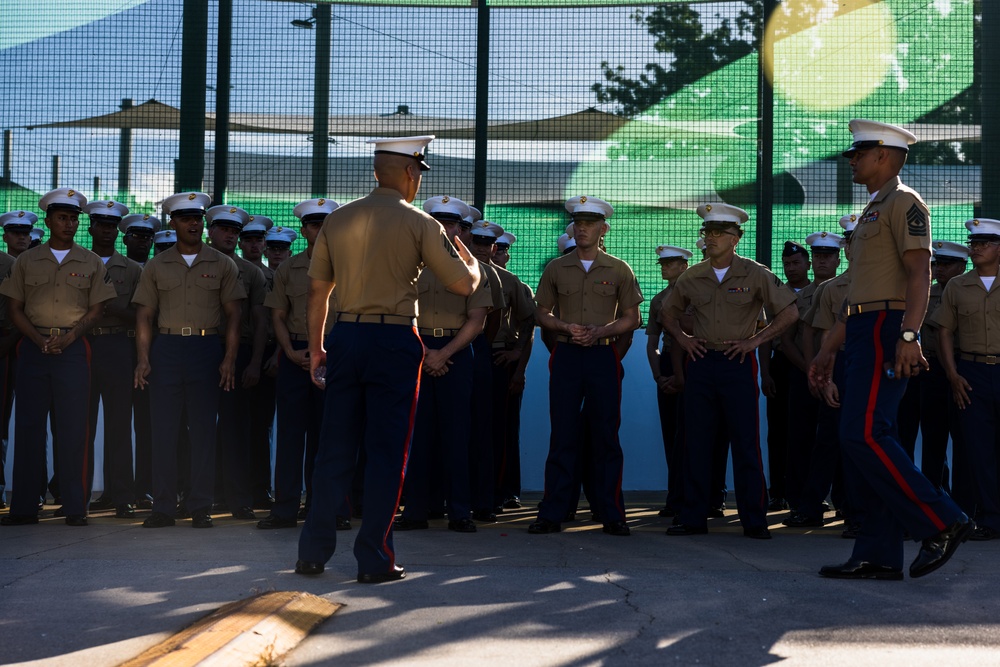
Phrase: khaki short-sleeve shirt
x=972 y=313
x=255 y=285
x=596 y=297
x=654 y=326
x=895 y=221
x=929 y=343
x=57 y=294
x=828 y=304
x=727 y=310
x=189 y=296
x=291 y=294
x=6 y=263
x=372 y=250
x=520 y=306
x=124 y=275
x=803 y=301
x=440 y=309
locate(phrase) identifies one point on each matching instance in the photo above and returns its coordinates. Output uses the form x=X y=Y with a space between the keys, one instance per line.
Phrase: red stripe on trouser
x=870 y=417
x=406 y=453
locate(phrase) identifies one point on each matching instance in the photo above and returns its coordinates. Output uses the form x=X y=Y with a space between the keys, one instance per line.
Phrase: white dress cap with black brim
x=487 y=228
x=949 y=251
x=411 y=147
x=723 y=214
x=314 y=209
x=257 y=225
x=448 y=208
x=585 y=206
x=184 y=204
x=475 y=215
x=825 y=242
x=227 y=216
x=983 y=229
x=280 y=236
x=37 y=233
x=165 y=236
x=506 y=239
x=673 y=252
x=139 y=221
x=64 y=198
x=15 y=219
x=106 y=208
x=873 y=134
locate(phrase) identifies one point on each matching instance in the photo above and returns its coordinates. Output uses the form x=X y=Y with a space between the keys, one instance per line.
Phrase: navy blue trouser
x=937 y=422
x=233 y=438
x=143 y=425
x=981 y=426
x=184 y=387
x=669 y=407
x=7 y=398
x=441 y=439
x=300 y=418
x=777 y=426
x=372 y=383
x=113 y=358
x=263 y=404
x=481 y=479
x=802 y=416
x=60 y=383
x=584 y=387
x=715 y=384
x=892 y=493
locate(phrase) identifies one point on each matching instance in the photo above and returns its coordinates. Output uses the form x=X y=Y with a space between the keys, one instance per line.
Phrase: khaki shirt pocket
x=167 y=284
x=741 y=308
x=79 y=282
x=867 y=230
x=605 y=290
x=209 y=283
x=36 y=280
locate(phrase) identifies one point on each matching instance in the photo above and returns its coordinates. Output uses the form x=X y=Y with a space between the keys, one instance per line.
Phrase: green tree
x=679 y=31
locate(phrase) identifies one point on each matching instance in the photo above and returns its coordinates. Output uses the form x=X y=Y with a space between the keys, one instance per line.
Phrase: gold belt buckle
x=185 y=331
x=54 y=331
x=130 y=333
x=438 y=332
x=991 y=360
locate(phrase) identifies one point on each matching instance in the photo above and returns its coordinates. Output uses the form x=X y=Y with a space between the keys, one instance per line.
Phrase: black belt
x=54 y=331
x=568 y=339
x=872 y=306
x=988 y=359
x=717 y=347
x=103 y=331
x=188 y=331
x=375 y=319
x=295 y=336
x=437 y=332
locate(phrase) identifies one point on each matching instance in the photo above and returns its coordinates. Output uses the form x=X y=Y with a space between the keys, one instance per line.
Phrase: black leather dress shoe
x=302 y=513
x=757 y=533
x=717 y=512
x=397 y=572
x=543 y=527
x=859 y=569
x=936 y=551
x=851 y=530
x=308 y=567
x=402 y=523
x=124 y=511
x=485 y=516
x=667 y=512
x=60 y=511
x=18 y=520
x=462 y=526
x=512 y=503
x=101 y=504
x=570 y=516
x=617 y=528
x=272 y=521
x=685 y=529
x=800 y=520
x=343 y=524
x=182 y=511
x=158 y=520
x=984 y=533
x=245 y=513
x=201 y=519
x=777 y=505
x=76 y=520
x=144 y=502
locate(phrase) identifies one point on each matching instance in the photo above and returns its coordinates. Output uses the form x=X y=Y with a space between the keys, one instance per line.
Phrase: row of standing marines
x=444 y=378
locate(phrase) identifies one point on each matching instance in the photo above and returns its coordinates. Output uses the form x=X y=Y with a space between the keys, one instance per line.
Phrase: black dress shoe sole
x=757 y=533
x=539 y=528
x=159 y=521
x=76 y=521
x=462 y=526
x=384 y=577
x=308 y=568
x=275 y=523
x=617 y=531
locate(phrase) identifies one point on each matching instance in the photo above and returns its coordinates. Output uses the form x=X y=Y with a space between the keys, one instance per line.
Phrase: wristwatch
x=909 y=336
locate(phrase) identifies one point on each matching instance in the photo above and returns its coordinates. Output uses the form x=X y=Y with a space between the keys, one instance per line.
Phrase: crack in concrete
x=643 y=627
x=49 y=564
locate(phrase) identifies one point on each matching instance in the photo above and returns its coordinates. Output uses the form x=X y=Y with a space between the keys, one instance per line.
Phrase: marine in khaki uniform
x=17 y=226
x=886 y=304
x=112 y=343
x=727 y=293
x=233 y=463
x=55 y=294
x=442 y=434
x=371 y=251
x=138 y=230
x=511 y=348
x=9 y=336
x=299 y=401
x=191 y=291
x=252 y=244
x=673 y=261
x=597 y=300
x=969 y=319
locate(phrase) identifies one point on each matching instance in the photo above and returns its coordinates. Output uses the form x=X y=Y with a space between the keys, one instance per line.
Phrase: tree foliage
x=694 y=51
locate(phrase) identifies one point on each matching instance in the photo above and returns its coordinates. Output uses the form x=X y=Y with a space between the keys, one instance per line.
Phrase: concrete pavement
x=101 y=594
